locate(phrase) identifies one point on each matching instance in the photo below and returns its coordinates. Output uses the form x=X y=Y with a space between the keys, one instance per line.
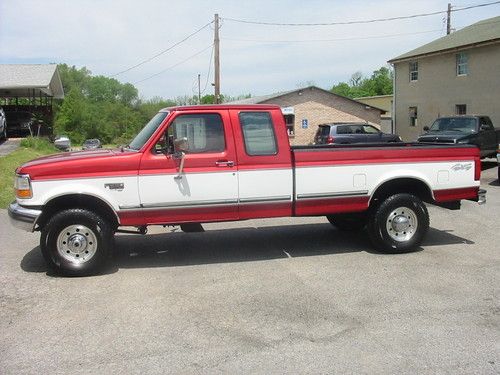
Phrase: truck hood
x=442 y=137
x=82 y=164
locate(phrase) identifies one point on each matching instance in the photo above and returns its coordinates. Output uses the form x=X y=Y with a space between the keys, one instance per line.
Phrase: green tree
x=379 y=83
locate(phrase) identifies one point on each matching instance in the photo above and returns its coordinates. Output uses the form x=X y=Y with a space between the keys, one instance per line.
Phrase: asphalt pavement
x=9 y=145
x=264 y=297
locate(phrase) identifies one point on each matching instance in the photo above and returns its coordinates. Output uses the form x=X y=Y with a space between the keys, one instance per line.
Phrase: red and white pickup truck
x=200 y=164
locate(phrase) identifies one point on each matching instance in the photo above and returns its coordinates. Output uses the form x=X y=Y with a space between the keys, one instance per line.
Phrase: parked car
x=3 y=125
x=464 y=129
x=19 y=122
x=91 y=144
x=199 y=164
x=345 y=133
x=62 y=143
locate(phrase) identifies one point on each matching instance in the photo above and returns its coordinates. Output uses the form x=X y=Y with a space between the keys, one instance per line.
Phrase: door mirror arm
x=179 y=155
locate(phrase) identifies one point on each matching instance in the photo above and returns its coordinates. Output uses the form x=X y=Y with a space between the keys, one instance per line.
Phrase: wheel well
x=403 y=185
x=83 y=201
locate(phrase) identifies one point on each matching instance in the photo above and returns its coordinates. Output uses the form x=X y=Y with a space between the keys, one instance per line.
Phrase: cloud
x=109 y=36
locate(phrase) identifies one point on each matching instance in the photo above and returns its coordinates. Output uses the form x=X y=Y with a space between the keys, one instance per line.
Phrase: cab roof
x=211 y=107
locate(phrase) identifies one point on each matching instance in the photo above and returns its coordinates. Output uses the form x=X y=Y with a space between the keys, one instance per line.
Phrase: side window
x=258 y=133
x=357 y=129
x=370 y=129
x=204 y=132
x=484 y=121
x=343 y=129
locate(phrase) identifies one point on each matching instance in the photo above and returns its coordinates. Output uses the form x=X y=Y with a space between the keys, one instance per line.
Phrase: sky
x=108 y=37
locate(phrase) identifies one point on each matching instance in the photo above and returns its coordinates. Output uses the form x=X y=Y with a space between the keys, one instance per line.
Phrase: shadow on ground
x=236 y=245
x=485 y=165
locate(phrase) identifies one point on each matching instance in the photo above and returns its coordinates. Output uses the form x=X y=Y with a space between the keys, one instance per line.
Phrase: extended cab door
x=207 y=188
x=264 y=163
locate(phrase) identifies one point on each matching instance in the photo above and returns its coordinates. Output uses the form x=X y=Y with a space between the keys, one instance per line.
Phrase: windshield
x=463 y=125
x=147 y=131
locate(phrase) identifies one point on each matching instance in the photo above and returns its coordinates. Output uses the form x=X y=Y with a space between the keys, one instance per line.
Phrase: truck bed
x=341 y=178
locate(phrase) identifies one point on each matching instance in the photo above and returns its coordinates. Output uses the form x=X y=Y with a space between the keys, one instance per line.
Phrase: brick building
x=306 y=108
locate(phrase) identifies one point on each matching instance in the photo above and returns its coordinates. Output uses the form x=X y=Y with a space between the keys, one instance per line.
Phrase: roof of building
x=265 y=98
x=28 y=80
x=261 y=98
x=485 y=31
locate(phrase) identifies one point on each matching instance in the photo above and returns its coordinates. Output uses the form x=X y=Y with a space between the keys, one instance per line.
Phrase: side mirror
x=426 y=128
x=181 y=144
x=484 y=127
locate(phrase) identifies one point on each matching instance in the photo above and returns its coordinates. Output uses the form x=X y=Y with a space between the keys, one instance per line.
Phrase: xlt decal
x=462 y=167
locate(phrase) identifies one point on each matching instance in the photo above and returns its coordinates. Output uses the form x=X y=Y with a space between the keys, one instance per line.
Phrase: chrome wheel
x=77 y=243
x=402 y=224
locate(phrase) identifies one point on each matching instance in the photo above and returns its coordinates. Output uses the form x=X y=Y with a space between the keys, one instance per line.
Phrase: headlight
x=22 y=186
x=463 y=141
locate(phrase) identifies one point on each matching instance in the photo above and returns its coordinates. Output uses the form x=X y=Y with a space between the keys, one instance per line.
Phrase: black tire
x=348 y=222
x=76 y=242
x=406 y=232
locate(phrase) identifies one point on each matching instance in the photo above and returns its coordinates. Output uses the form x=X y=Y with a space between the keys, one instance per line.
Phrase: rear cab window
x=258 y=133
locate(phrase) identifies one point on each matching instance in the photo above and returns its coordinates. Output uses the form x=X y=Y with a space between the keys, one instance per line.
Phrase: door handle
x=224 y=163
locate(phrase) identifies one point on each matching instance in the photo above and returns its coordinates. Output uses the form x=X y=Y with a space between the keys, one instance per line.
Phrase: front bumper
x=23 y=217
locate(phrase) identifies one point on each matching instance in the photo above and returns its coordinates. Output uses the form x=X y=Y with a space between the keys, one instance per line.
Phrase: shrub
x=38 y=144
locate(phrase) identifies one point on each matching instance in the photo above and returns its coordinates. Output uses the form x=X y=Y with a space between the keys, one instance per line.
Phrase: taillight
x=477 y=169
x=329 y=140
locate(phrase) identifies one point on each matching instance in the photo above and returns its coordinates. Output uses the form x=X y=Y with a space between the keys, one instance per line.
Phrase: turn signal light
x=22 y=186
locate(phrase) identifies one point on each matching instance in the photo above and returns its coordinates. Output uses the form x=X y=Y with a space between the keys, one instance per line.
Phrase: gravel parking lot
x=262 y=296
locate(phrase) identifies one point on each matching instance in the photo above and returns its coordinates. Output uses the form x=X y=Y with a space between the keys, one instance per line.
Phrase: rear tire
x=348 y=222
x=76 y=242
x=398 y=224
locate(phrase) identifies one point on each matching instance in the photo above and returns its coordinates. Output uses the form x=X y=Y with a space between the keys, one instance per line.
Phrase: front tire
x=76 y=242
x=398 y=224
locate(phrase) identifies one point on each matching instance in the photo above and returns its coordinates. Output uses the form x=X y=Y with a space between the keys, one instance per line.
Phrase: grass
x=31 y=148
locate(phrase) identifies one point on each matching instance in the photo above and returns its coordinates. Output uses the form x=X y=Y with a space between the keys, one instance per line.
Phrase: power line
x=359 y=21
x=175 y=65
x=333 y=40
x=162 y=52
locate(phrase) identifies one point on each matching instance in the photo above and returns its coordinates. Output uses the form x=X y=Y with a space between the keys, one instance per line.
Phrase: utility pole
x=448 y=20
x=216 y=60
x=199 y=89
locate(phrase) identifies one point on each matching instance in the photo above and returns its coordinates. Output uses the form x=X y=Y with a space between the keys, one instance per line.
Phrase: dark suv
x=345 y=133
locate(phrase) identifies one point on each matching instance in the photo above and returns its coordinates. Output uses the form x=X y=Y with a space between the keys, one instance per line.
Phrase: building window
x=461 y=109
x=290 y=125
x=413 y=71
x=413 y=115
x=462 y=66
